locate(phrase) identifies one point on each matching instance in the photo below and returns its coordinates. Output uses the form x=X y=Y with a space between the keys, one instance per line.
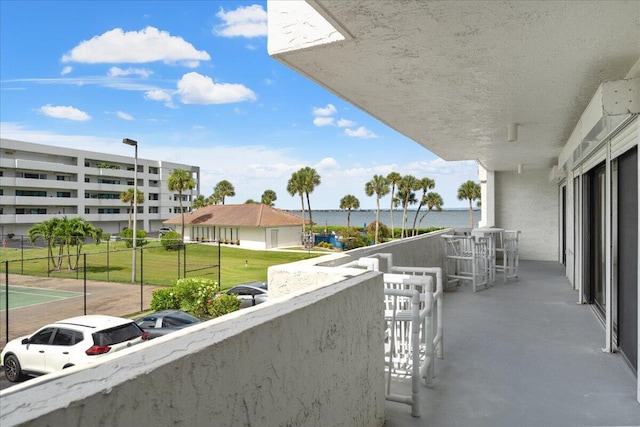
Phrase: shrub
x=165 y=299
x=171 y=241
x=196 y=296
x=352 y=238
x=223 y=304
x=127 y=233
x=383 y=231
x=325 y=245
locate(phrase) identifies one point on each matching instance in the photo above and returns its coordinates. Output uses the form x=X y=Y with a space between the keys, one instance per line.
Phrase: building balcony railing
x=517 y=353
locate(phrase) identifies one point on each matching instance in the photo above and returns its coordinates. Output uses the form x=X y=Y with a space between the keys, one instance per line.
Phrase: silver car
x=250 y=293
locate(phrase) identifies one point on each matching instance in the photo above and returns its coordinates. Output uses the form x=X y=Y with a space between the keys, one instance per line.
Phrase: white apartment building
x=39 y=182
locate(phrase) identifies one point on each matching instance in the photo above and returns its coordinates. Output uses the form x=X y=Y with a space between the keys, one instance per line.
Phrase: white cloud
x=124 y=116
x=160 y=96
x=323 y=121
x=278 y=170
x=249 y=22
x=136 y=47
x=269 y=82
x=329 y=110
x=361 y=132
x=62 y=112
x=327 y=163
x=344 y=123
x=66 y=70
x=117 y=72
x=194 y=88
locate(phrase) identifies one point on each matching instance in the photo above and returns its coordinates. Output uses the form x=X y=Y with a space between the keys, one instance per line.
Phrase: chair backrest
x=422 y=284
x=510 y=240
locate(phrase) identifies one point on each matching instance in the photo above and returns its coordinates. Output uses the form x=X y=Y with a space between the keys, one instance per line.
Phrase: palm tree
x=127 y=197
x=347 y=203
x=380 y=187
x=433 y=201
x=216 y=198
x=295 y=185
x=406 y=187
x=80 y=230
x=46 y=231
x=180 y=180
x=393 y=178
x=310 y=178
x=224 y=189
x=470 y=191
x=200 y=201
x=425 y=184
x=268 y=197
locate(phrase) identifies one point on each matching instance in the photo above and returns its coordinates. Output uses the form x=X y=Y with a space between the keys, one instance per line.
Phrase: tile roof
x=245 y=215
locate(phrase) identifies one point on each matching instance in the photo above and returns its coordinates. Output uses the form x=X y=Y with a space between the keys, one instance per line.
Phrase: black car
x=250 y=294
x=165 y=321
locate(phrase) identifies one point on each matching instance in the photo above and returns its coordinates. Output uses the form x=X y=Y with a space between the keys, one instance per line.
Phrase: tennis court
x=35 y=301
x=22 y=296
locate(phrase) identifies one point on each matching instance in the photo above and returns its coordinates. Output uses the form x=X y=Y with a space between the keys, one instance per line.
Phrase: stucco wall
x=529 y=203
x=421 y=251
x=311 y=358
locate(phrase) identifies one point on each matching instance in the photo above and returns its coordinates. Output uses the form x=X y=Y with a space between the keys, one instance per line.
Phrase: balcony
x=523 y=353
x=518 y=353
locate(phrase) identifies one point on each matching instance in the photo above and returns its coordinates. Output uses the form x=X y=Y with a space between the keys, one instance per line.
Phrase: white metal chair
x=466 y=258
x=409 y=307
x=508 y=264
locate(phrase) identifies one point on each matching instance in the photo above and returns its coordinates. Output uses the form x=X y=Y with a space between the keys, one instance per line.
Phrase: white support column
x=487 y=191
x=579 y=249
x=638 y=294
x=608 y=258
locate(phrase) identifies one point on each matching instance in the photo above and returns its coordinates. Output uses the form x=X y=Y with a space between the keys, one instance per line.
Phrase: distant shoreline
x=444 y=218
x=382 y=210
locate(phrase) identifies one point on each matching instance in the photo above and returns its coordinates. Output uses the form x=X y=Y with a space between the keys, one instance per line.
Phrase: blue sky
x=193 y=83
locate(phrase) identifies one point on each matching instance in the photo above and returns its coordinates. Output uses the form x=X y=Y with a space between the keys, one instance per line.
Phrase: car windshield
x=178 y=319
x=117 y=335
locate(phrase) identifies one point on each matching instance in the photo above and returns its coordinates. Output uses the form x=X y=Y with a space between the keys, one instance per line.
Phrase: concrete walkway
x=524 y=354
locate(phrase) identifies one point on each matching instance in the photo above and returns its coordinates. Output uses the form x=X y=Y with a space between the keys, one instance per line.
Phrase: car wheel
x=12 y=369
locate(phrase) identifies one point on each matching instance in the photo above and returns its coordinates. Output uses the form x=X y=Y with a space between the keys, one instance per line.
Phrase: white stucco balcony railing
x=311 y=356
x=314 y=355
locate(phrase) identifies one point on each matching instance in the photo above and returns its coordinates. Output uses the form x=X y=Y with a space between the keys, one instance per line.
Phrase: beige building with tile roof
x=254 y=226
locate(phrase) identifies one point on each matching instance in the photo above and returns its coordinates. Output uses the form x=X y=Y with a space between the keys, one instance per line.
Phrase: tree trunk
x=377 y=219
x=181 y=215
x=391 y=212
x=310 y=218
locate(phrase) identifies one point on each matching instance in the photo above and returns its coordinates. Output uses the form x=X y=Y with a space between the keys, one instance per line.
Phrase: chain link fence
x=64 y=282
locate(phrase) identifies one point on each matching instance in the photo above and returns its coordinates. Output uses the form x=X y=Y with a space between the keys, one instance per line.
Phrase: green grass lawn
x=155 y=264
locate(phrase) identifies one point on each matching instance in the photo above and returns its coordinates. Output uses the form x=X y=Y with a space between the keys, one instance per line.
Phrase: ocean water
x=446 y=218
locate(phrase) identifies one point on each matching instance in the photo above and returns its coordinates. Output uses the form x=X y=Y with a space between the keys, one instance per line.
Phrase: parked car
x=165 y=230
x=70 y=342
x=165 y=321
x=250 y=293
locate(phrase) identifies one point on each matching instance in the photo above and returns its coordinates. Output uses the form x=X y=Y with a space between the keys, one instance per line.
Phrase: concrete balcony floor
x=523 y=354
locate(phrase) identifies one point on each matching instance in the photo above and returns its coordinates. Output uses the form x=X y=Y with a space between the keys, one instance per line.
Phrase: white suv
x=75 y=341
x=165 y=230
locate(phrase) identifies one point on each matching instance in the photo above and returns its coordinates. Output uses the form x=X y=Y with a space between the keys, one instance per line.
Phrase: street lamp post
x=135 y=206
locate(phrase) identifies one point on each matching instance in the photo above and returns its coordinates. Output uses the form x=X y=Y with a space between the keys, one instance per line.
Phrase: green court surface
x=22 y=296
